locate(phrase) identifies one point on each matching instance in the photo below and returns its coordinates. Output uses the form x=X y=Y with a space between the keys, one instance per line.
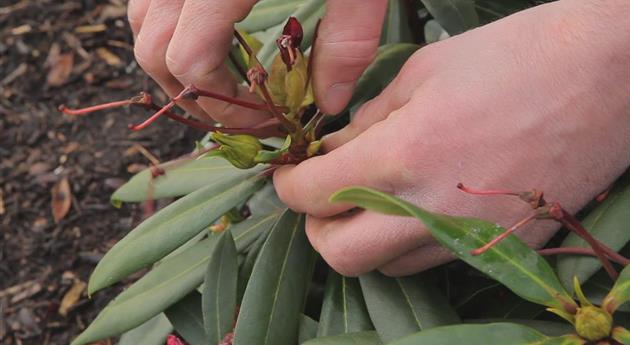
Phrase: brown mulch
x=77 y=53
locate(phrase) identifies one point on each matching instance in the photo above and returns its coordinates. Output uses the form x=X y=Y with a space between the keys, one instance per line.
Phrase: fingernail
x=337 y=97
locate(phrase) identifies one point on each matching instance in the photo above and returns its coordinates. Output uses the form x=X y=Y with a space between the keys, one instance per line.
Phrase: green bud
x=240 y=150
x=313 y=148
x=593 y=323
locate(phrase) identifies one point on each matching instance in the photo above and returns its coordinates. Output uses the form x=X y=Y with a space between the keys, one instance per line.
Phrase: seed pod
x=240 y=150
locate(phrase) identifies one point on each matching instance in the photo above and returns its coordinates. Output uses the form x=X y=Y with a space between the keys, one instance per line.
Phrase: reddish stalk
x=499 y=238
x=565 y=218
x=556 y=212
x=104 y=106
x=578 y=251
x=153 y=117
x=263 y=88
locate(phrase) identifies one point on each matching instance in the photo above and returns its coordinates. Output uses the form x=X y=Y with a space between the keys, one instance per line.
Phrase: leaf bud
x=240 y=150
x=593 y=323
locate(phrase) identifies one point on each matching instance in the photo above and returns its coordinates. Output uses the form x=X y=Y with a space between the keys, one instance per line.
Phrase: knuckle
x=175 y=62
x=145 y=57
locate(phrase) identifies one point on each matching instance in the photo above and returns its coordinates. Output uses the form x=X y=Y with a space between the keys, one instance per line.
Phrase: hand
x=186 y=42
x=536 y=100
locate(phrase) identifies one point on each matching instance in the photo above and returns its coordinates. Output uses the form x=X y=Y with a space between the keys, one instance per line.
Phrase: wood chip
x=71 y=297
x=60 y=69
x=12 y=290
x=26 y=293
x=89 y=29
x=21 y=30
x=16 y=73
x=2 y=209
x=61 y=199
x=109 y=57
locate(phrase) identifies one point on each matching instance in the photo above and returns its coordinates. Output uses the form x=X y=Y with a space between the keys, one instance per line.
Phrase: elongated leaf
x=621 y=335
x=166 y=284
x=607 y=223
x=620 y=292
x=169 y=228
x=187 y=319
x=276 y=291
x=247 y=231
x=548 y=328
x=307 y=330
x=510 y=262
x=246 y=268
x=358 y=338
x=456 y=16
x=396 y=26
x=267 y=14
x=490 y=334
x=308 y=13
x=402 y=306
x=389 y=60
x=180 y=178
x=265 y=201
x=219 y=292
x=152 y=332
x=343 y=309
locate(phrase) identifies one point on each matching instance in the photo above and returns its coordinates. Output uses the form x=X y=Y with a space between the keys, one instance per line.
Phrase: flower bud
x=173 y=340
x=593 y=323
x=240 y=150
x=290 y=41
x=293 y=29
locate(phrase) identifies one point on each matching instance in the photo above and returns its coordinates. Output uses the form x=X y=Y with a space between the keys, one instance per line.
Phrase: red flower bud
x=293 y=29
x=174 y=340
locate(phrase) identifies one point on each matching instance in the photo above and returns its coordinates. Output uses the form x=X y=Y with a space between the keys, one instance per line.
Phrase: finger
x=361 y=242
x=347 y=41
x=417 y=260
x=150 y=48
x=307 y=186
x=136 y=11
x=197 y=52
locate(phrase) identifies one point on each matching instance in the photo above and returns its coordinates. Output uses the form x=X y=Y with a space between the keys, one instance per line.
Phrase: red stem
x=578 y=251
x=486 y=192
x=501 y=237
x=85 y=111
x=574 y=225
x=245 y=104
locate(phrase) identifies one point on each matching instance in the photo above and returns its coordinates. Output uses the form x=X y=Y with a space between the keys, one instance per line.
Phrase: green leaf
x=152 y=332
x=607 y=223
x=166 y=284
x=181 y=177
x=266 y=14
x=343 y=309
x=169 y=228
x=456 y=16
x=307 y=330
x=403 y=306
x=219 y=289
x=246 y=268
x=307 y=14
x=187 y=319
x=621 y=335
x=276 y=291
x=490 y=334
x=388 y=62
x=510 y=262
x=358 y=338
x=620 y=292
x=396 y=26
x=548 y=328
x=246 y=232
x=265 y=201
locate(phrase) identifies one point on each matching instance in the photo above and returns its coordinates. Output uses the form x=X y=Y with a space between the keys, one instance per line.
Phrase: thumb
x=346 y=44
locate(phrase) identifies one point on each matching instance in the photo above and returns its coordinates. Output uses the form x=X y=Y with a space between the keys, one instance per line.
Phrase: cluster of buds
x=287 y=95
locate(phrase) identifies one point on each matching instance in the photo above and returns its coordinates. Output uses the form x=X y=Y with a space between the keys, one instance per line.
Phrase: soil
x=76 y=53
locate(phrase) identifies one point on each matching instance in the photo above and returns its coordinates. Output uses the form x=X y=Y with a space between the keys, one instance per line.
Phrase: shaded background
x=76 y=53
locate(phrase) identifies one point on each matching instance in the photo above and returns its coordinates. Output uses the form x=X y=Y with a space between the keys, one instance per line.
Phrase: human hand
x=536 y=100
x=186 y=42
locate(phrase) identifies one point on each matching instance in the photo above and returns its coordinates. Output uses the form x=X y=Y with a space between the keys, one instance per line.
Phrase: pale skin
x=540 y=99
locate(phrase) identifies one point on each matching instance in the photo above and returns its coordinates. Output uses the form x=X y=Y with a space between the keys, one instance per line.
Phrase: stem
x=245 y=104
x=468 y=190
x=574 y=225
x=85 y=111
x=501 y=237
x=578 y=251
x=153 y=117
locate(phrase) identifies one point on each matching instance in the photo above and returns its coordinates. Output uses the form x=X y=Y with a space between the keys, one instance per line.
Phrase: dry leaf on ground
x=61 y=199
x=71 y=297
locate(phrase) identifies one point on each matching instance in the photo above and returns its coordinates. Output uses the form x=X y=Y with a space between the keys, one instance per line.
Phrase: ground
x=76 y=53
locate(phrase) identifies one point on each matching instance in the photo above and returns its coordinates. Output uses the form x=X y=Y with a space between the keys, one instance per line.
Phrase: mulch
x=76 y=53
